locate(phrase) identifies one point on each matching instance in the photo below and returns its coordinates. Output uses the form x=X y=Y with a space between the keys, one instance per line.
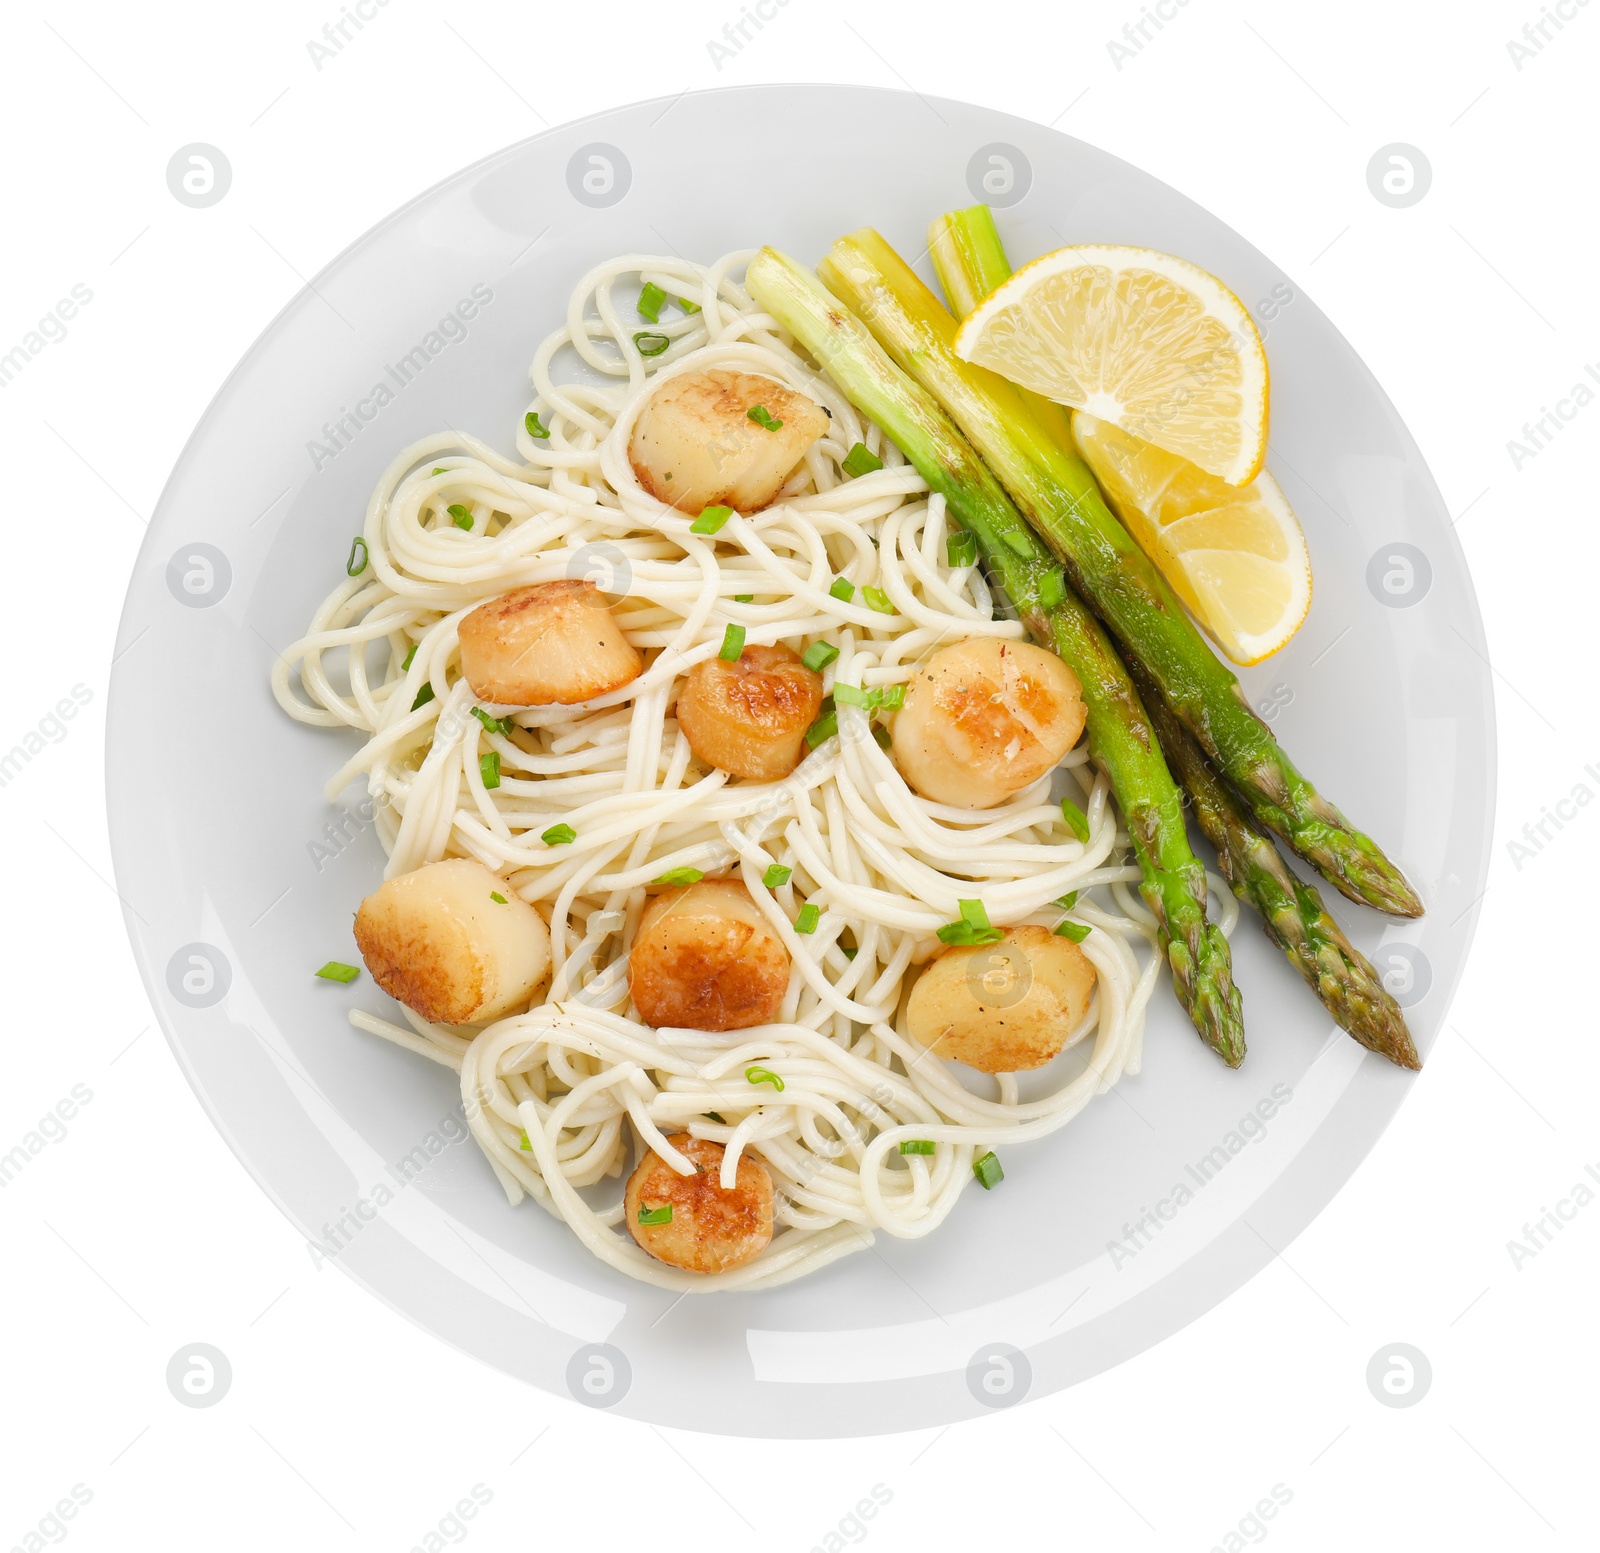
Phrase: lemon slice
x=1235 y=555
x=1151 y=343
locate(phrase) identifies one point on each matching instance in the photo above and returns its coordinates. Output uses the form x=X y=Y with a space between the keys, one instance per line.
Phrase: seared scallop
x=984 y=718
x=555 y=643
x=452 y=942
x=749 y=718
x=721 y=439
x=689 y=1221
x=1002 y=1007
x=705 y=958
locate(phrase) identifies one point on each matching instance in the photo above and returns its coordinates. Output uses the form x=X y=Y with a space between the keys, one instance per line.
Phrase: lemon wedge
x=1146 y=341
x=1235 y=555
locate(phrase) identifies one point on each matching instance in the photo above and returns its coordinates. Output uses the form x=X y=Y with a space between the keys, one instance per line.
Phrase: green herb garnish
x=424 y=696
x=681 y=876
x=859 y=461
x=961 y=548
x=1052 y=589
x=879 y=600
x=661 y=1215
x=732 y=644
x=558 y=835
x=744 y=598
x=823 y=728
x=489 y=768
x=917 y=1146
x=1077 y=821
x=850 y=695
x=1076 y=931
x=336 y=970
x=1066 y=902
x=894 y=697
x=687 y=305
x=459 y=515
x=818 y=656
x=405 y=662
x=762 y=1076
x=843 y=589
x=711 y=520
x=535 y=427
x=808 y=919
x=492 y=724
x=650 y=300
x=498 y=898
x=351 y=567
x=762 y=416
x=648 y=344
x=987 y=1170
x=973 y=928
x=776 y=876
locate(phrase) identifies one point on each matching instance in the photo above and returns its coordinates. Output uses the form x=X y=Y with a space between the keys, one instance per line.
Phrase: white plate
x=240 y=878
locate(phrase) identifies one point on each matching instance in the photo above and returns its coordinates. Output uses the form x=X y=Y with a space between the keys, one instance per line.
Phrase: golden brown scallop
x=552 y=644
x=984 y=718
x=705 y=958
x=437 y=940
x=749 y=718
x=692 y=1222
x=695 y=445
x=1002 y=1007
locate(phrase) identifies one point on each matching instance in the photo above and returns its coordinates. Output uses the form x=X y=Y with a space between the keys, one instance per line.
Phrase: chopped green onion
x=1052 y=589
x=1076 y=931
x=424 y=696
x=439 y=471
x=535 y=427
x=336 y=970
x=1021 y=543
x=851 y=696
x=351 y=569
x=1076 y=820
x=498 y=898
x=732 y=644
x=744 y=598
x=843 y=589
x=711 y=520
x=763 y=1076
x=661 y=1215
x=878 y=600
x=849 y=951
x=681 y=876
x=492 y=724
x=405 y=663
x=860 y=461
x=961 y=548
x=459 y=515
x=917 y=1146
x=894 y=697
x=687 y=305
x=558 y=835
x=881 y=734
x=973 y=928
x=489 y=768
x=525 y=1143
x=776 y=876
x=822 y=729
x=808 y=919
x=1066 y=902
x=650 y=300
x=648 y=344
x=818 y=656
x=762 y=416
x=988 y=1171
x=715 y=1116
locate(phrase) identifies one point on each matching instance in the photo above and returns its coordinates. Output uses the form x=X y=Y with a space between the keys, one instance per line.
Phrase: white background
x=345 y=1427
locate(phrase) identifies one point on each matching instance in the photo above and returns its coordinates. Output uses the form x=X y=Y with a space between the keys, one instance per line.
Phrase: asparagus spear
x=1120 y=738
x=1021 y=438
x=1291 y=910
